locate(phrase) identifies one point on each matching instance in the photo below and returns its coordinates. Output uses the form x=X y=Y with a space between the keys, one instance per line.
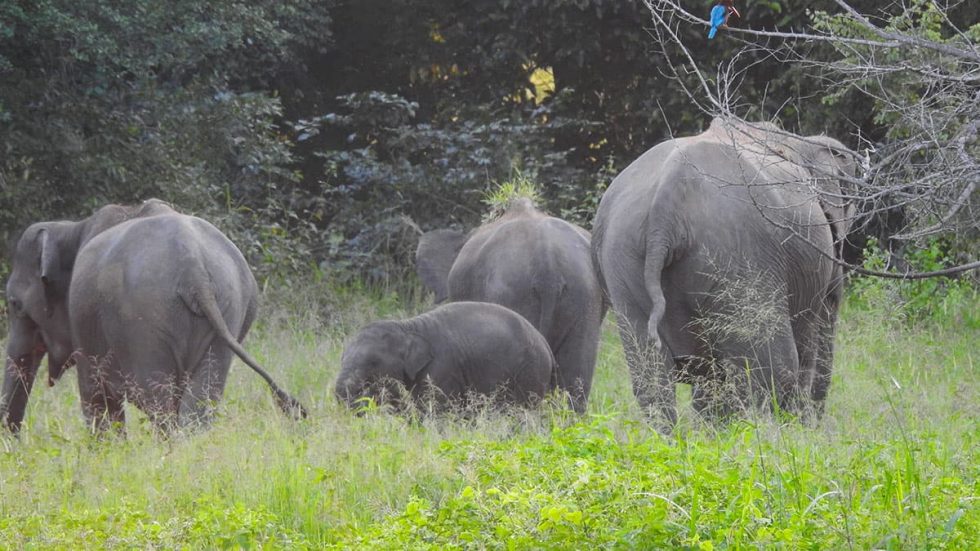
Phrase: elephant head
x=37 y=294
x=434 y=258
x=834 y=167
x=827 y=163
x=37 y=300
x=381 y=357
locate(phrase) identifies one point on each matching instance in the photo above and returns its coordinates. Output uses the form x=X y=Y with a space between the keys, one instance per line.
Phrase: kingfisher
x=720 y=14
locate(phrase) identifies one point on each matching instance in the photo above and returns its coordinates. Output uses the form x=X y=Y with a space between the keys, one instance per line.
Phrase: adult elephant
x=149 y=303
x=536 y=265
x=718 y=250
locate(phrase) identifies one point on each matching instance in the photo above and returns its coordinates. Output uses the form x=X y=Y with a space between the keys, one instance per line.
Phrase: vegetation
x=321 y=133
x=322 y=136
x=518 y=187
x=893 y=464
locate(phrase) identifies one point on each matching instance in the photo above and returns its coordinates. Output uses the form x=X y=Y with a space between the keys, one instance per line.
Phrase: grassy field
x=893 y=464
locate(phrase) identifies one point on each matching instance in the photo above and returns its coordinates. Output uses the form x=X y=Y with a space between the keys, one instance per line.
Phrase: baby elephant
x=449 y=352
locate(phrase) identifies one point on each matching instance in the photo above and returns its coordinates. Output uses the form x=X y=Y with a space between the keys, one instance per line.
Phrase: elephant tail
x=209 y=307
x=549 y=297
x=657 y=258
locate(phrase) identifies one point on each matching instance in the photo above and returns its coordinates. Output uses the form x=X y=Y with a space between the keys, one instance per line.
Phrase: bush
x=945 y=299
x=102 y=102
x=395 y=177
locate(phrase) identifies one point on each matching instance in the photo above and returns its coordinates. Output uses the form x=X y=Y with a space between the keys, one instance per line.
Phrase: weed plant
x=892 y=465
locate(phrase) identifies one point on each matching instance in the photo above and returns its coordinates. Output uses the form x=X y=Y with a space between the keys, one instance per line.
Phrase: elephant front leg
x=576 y=360
x=824 y=365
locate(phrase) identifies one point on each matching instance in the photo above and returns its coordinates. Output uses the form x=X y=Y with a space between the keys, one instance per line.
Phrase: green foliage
x=105 y=102
x=395 y=175
x=625 y=489
x=312 y=130
x=945 y=299
x=212 y=525
x=893 y=465
x=923 y=19
x=517 y=187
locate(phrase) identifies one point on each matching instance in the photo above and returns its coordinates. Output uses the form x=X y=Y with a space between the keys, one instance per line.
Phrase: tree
x=917 y=68
x=104 y=101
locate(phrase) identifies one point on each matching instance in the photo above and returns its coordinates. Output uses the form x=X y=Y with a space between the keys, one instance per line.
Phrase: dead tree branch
x=923 y=88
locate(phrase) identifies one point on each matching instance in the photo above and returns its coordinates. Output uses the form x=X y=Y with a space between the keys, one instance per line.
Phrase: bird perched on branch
x=719 y=16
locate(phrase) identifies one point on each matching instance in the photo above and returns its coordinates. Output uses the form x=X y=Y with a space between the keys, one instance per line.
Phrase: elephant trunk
x=18 y=379
x=58 y=361
x=346 y=391
x=25 y=349
x=353 y=392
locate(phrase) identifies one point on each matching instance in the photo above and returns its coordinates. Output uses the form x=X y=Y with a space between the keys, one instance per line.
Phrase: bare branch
x=924 y=88
x=908 y=39
x=663 y=5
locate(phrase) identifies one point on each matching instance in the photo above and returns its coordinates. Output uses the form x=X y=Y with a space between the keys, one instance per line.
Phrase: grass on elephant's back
x=900 y=438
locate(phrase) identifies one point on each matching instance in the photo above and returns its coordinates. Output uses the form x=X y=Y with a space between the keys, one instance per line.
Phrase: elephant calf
x=451 y=351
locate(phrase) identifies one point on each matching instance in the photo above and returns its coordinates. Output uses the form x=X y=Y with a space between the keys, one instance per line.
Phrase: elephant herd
x=719 y=254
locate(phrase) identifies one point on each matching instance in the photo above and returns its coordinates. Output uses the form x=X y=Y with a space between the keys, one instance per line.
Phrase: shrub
x=949 y=299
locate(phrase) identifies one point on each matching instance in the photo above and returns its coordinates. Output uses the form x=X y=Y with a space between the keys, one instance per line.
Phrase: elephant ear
x=435 y=256
x=57 y=246
x=50 y=262
x=830 y=157
x=52 y=273
x=418 y=355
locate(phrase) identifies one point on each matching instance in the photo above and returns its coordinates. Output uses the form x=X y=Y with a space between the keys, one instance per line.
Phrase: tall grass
x=893 y=464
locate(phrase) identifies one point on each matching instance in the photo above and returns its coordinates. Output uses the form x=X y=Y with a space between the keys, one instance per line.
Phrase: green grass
x=893 y=464
x=519 y=187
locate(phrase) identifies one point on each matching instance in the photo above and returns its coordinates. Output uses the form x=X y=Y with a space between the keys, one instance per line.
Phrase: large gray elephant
x=536 y=265
x=718 y=250
x=447 y=353
x=148 y=303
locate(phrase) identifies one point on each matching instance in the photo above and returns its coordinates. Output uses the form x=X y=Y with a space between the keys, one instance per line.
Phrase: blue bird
x=719 y=16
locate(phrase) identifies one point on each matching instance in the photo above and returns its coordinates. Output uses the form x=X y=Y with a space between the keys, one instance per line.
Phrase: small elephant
x=150 y=304
x=536 y=265
x=720 y=250
x=448 y=352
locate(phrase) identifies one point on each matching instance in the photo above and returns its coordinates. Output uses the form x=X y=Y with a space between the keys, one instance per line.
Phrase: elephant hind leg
x=639 y=304
x=650 y=372
x=576 y=358
x=149 y=379
x=205 y=386
x=102 y=408
x=773 y=371
x=712 y=394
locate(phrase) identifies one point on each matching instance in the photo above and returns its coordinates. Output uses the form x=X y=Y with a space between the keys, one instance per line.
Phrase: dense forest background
x=322 y=135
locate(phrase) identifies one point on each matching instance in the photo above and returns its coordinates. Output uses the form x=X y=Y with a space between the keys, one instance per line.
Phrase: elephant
x=723 y=250
x=448 y=353
x=536 y=265
x=148 y=303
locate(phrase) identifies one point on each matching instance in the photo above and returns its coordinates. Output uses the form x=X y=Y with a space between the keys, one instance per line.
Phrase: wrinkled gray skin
x=534 y=264
x=446 y=353
x=158 y=304
x=693 y=215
